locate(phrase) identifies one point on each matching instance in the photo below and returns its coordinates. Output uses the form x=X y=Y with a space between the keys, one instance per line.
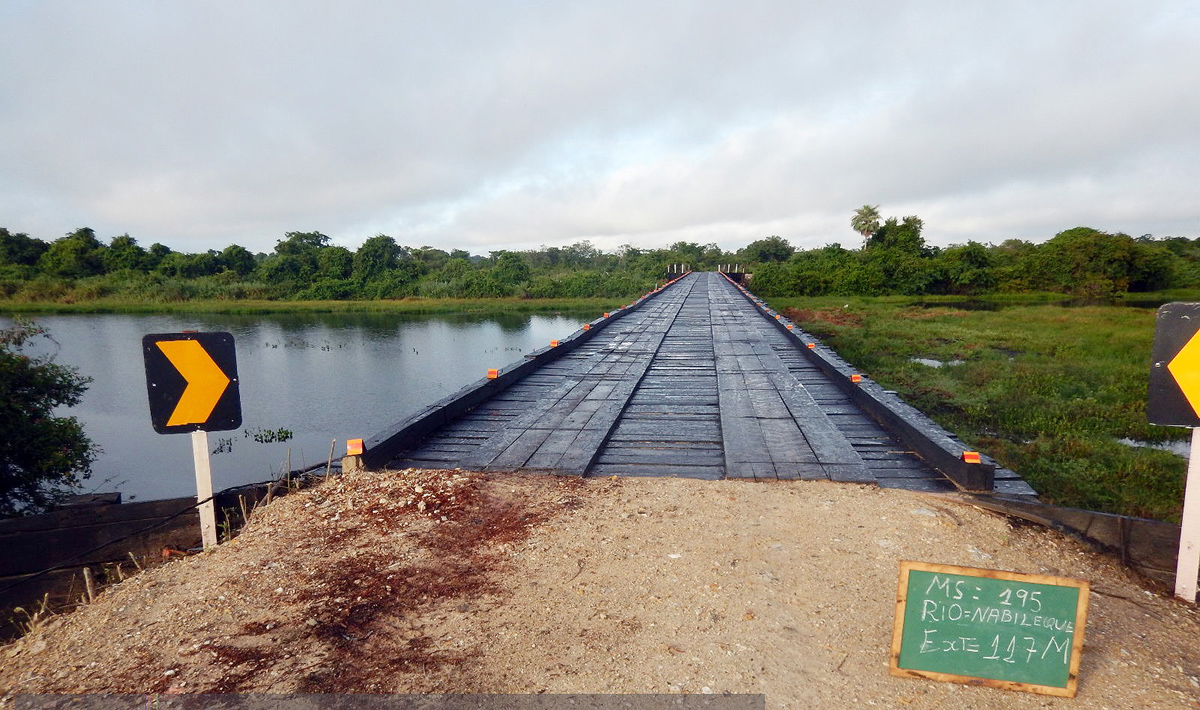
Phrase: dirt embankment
x=421 y=581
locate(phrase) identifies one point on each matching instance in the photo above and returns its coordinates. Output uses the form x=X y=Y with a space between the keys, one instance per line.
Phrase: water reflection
x=931 y=362
x=1179 y=447
x=323 y=376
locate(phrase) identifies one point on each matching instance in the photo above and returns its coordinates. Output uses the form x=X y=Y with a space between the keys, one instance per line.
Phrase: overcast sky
x=489 y=125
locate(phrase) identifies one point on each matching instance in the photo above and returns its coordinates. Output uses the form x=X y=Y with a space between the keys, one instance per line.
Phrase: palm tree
x=865 y=221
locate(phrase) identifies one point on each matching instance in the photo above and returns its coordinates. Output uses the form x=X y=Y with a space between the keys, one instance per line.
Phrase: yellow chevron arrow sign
x=1185 y=368
x=205 y=381
x=192 y=382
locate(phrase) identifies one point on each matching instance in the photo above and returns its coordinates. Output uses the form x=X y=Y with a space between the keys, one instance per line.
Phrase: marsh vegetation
x=1049 y=391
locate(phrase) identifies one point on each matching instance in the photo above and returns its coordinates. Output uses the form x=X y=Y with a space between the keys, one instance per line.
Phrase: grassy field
x=1045 y=389
x=405 y=305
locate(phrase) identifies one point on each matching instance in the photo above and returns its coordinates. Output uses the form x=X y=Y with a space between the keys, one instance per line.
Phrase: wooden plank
x=1013 y=488
x=794 y=470
x=918 y=485
x=419 y=462
x=743 y=439
x=760 y=380
x=650 y=430
x=762 y=470
x=625 y=441
x=849 y=473
x=450 y=448
x=675 y=410
x=662 y=456
x=549 y=455
x=471 y=427
x=883 y=466
x=580 y=414
x=827 y=442
x=802 y=471
x=884 y=453
x=738 y=469
x=712 y=473
x=666 y=416
x=901 y=474
x=767 y=403
x=519 y=451
x=785 y=443
x=604 y=417
x=443 y=458
x=735 y=402
x=662 y=423
x=501 y=405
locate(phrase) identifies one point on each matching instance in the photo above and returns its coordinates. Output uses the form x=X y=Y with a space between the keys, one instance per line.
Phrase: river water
x=321 y=376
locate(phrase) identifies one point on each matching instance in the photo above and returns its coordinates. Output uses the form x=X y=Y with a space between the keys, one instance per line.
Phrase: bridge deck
x=695 y=382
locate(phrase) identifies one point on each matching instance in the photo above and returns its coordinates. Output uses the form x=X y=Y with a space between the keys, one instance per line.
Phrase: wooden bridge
x=694 y=379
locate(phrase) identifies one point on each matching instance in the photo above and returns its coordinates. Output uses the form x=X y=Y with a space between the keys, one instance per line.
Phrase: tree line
x=893 y=259
x=307 y=266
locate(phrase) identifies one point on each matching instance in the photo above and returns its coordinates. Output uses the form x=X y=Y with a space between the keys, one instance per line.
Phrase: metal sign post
x=192 y=384
x=1174 y=400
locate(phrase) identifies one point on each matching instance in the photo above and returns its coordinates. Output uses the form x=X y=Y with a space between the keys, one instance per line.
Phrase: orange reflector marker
x=354 y=447
x=554 y=343
x=789 y=326
x=812 y=346
x=493 y=373
x=971 y=457
x=606 y=314
x=777 y=316
x=856 y=378
x=587 y=326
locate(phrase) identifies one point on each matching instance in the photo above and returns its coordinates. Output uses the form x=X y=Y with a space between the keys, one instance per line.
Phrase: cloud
x=510 y=125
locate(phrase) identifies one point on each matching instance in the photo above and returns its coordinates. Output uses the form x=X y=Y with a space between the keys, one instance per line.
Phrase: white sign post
x=204 y=489
x=1188 y=567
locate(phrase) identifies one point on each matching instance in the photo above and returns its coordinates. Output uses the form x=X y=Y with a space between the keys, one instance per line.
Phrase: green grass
x=406 y=305
x=1044 y=389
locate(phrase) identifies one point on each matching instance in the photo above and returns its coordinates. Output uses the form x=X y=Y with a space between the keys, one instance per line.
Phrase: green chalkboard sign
x=984 y=627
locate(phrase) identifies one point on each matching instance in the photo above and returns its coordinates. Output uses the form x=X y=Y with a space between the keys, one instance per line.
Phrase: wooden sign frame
x=1076 y=640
